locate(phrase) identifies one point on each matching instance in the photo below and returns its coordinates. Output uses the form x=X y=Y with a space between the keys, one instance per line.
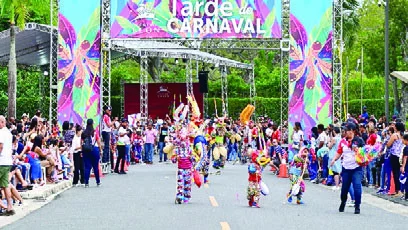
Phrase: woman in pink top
x=150 y=136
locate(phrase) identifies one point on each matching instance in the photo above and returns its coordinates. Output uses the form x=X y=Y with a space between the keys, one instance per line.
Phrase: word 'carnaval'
x=190 y=24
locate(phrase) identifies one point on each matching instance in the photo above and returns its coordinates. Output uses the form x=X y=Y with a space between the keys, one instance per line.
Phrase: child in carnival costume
x=296 y=171
x=183 y=156
x=137 y=145
x=255 y=168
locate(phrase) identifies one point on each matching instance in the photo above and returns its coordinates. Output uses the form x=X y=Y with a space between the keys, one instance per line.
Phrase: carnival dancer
x=219 y=152
x=244 y=118
x=184 y=158
x=255 y=168
x=296 y=171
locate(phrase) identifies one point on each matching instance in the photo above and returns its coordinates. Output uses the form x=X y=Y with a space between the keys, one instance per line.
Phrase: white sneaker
x=313 y=181
x=336 y=188
x=350 y=203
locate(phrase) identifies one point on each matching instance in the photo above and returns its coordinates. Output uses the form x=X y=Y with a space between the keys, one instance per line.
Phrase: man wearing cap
x=365 y=115
x=352 y=173
x=106 y=133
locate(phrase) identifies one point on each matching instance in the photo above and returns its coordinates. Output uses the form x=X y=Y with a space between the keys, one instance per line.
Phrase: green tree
x=17 y=12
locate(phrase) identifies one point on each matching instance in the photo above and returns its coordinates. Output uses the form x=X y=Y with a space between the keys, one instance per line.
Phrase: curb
x=42 y=193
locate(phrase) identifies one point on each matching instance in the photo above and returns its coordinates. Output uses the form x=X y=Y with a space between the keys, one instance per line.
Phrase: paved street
x=144 y=199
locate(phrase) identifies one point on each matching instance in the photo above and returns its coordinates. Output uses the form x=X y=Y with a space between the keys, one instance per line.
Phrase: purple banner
x=311 y=28
x=79 y=61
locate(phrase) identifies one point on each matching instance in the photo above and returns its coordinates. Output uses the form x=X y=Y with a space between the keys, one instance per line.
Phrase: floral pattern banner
x=79 y=44
x=310 y=87
x=196 y=18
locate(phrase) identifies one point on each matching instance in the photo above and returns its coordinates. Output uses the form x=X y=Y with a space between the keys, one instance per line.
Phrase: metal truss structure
x=53 y=73
x=105 y=54
x=224 y=90
x=189 y=49
x=284 y=56
x=337 y=58
x=144 y=65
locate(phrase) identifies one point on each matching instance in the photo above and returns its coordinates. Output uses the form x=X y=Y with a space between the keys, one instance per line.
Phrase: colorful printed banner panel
x=310 y=101
x=79 y=61
x=196 y=18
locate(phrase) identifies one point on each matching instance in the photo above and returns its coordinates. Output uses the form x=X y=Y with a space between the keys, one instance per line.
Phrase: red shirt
x=372 y=139
x=276 y=135
x=257 y=176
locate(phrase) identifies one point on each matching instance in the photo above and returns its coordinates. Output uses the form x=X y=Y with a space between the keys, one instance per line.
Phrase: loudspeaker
x=203 y=81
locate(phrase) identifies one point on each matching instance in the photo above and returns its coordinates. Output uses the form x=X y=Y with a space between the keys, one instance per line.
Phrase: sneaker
x=380 y=191
x=336 y=188
x=357 y=210
x=160 y=161
x=255 y=205
x=299 y=201
x=123 y=172
x=98 y=184
x=342 y=206
x=10 y=213
x=350 y=204
x=313 y=181
x=289 y=197
x=86 y=185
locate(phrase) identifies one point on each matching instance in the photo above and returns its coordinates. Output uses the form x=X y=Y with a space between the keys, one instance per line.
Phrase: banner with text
x=78 y=61
x=196 y=18
x=163 y=97
x=310 y=87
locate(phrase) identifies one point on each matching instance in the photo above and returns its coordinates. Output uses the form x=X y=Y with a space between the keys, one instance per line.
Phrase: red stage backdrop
x=160 y=98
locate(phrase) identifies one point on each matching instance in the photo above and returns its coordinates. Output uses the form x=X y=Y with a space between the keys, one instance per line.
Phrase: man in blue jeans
x=150 y=135
x=164 y=132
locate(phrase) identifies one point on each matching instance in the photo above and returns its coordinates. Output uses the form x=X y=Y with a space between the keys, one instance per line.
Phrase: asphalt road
x=144 y=199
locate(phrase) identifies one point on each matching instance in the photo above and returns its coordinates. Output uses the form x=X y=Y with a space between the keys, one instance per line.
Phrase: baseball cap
x=123 y=120
x=350 y=126
x=107 y=108
x=24 y=115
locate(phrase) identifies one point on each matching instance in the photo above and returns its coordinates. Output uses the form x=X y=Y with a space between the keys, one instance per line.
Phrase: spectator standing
x=404 y=167
x=150 y=136
x=297 y=138
x=164 y=132
x=123 y=139
x=6 y=162
x=106 y=134
x=396 y=146
x=91 y=147
x=78 y=159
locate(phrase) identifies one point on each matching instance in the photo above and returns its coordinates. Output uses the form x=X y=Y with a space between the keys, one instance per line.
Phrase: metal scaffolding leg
x=224 y=90
x=189 y=78
x=284 y=56
x=105 y=55
x=252 y=90
x=205 y=99
x=337 y=56
x=122 y=97
x=144 y=88
x=53 y=71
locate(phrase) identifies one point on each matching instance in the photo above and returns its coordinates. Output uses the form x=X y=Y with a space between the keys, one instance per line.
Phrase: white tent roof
x=402 y=75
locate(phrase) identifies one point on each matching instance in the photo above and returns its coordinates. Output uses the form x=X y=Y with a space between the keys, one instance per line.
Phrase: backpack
x=87 y=144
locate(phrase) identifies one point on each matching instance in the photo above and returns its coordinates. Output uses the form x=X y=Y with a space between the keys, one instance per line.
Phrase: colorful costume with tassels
x=296 y=171
x=219 y=151
x=255 y=169
x=184 y=158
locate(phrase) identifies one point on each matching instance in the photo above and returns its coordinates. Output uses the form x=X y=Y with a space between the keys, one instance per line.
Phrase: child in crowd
x=296 y=171
x=137 y=145
x=255 y=169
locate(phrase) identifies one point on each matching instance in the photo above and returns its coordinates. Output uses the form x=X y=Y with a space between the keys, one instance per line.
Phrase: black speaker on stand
x=203 y=81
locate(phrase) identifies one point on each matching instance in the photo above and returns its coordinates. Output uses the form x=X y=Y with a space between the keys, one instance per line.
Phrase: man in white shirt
x=6 y=161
